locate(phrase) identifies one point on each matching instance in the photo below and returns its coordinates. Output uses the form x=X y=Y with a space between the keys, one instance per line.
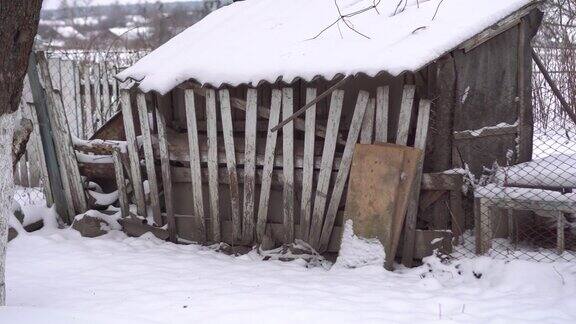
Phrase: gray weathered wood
x=322 y=187
x=268 y=166
x=121 y=184
x=88 y=112
x=288 y=162
x=308 y=167
x=149 y=158
x=366 y=134
x=405 y=114
x=78 y=102
x=250 y=165
x=486 y=132
x=228 y=135
x=135 y=172
x=212 y=135
x=97 y=95
x=106 y=102
x=382 y=107
x=344 y=170
x=482 y=225
x=414 y=199
x=166 y=173
x=194 y=159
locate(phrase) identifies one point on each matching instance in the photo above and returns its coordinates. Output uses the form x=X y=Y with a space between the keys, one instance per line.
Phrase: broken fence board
x=382 y=107
x=212 y=124
x=405 y=114
x=250 y=165
x=308 y=166
x=288 y=165
x=366 y=134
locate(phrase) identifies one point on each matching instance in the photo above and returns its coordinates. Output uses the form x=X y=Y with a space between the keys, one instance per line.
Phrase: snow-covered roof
x=264 y=40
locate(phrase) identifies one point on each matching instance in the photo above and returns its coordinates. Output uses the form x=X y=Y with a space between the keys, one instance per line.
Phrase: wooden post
x=166 y=174
x=121 y=184
x=135 y=172
x=195 y=170
x=250 y=165
x=326 y=168
x=228 y=134
x=149 y=158
x=268 y=166
x=344 y=169
x=288 y=165
x=308 y=167
x=212 y=137
x=482 y=225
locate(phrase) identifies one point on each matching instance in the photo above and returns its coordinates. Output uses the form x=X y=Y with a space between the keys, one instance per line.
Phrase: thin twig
x=344 y=17
x=437 y=7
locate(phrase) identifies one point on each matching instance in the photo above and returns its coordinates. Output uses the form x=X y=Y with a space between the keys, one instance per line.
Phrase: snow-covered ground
x=56 y=276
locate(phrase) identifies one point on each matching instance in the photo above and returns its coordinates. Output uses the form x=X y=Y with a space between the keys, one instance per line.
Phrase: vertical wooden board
x=228 y=134
x=382 y=110
x=54 y=68
x=87 y=102
x=344 y=168
x=121 y=184
x=149 y=158
x=68 y=93
x=195 y=171
x=323 y=184
x=250 y=165
x=288 y=165
x=367 y=131
x=135 y=172
x=78 y=102
x=96 y=75
x=166 y=174
x=308 y=167
x=212 y=137
x=405 y=114
x=106 y=102
x=412 y=211
x=268 y=167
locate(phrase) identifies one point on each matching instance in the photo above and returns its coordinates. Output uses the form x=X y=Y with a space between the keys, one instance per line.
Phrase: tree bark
x=18 y=27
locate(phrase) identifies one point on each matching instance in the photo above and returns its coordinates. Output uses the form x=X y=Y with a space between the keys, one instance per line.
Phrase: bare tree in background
x=18 y=27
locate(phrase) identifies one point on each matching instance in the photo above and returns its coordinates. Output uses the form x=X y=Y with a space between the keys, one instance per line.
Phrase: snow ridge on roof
x=264 y=40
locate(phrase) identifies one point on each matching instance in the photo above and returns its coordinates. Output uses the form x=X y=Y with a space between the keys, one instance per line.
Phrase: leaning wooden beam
x=308 y=166
x=135 y=172
x=250 y=165
x=268 y=165
x=226 y=113
x=288 y=168
x=414 y=199
x=381 y=125
x=326 y=168
x=121 y=184
x=367 y=131
x=212 y=159
x=264 y=112
x=149 y=158
x=344 y=169
x=198 y=200
x=405 y=114
x=166 y=174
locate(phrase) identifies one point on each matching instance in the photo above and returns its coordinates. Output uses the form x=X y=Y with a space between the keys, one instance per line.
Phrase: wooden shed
x=212 y=96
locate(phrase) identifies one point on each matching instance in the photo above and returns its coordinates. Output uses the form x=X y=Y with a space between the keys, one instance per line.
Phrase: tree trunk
x=18 y=27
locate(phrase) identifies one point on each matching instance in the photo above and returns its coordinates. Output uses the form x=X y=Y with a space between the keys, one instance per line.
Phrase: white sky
x=54 y=4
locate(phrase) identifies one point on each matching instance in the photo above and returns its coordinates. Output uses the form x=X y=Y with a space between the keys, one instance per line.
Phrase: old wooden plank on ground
x=288 y=165
x=323 y=184
x=268 y=166
x=308 y=166
x=212 y=161
x=344 y=170
x=228 y=134
x=135 y=172
x=250 y=165
x=382 y=107
x=149 y=158
x=197 y=195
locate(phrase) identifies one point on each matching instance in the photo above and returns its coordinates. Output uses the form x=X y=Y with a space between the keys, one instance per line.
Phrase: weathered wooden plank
x=106 y=102
x=326 y=168
x=441 y=181
x=412 y=211
x=68 y=95
x=88 y=113
x=114 y=84
x=212 y=159
x=149 y=158
x=308 y=166
x=196 y=178
x=288 y=165
x=366 y=134
x=268 y=166
x=40 y=157
x=78 y=102
x=23 y=170
x=482 y=225
x=382 y=107
x=98 y=95
x=405 y=114
x=250 y=165
x=344 y=170
x=121 y=184
x=135 y=172
x=486 y=132
x=226 y=114
x=166 y=173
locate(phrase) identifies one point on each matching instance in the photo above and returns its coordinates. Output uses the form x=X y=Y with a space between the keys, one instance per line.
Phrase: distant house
x=470 y=58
